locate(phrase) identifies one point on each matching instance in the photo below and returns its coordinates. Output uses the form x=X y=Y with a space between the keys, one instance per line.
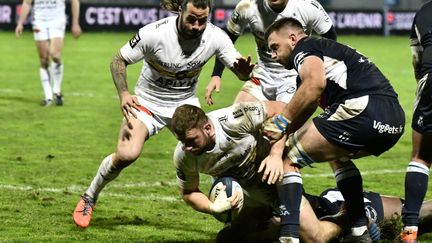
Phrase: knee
x=44 y=62
x=56 y=59
x=125 y=157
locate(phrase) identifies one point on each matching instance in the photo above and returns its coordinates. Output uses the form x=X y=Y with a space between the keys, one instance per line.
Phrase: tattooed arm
x=118 y=73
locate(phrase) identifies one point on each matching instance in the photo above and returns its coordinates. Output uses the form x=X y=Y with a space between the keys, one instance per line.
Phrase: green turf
x=49 y=155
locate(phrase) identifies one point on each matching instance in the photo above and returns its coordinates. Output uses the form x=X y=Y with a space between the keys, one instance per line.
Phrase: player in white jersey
x=49 y=24
x=272 y=81
x=228 y=142
x=174 y=51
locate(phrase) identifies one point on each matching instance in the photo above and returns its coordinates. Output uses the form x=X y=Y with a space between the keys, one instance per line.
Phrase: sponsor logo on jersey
x=238 y=113
x=253 y=108
x=134 y=41
x=386 y=128
x=161 y=23
x=223 y=119
x=194 y=64
x=169 y=65
x=291 y=90
x=163 y=82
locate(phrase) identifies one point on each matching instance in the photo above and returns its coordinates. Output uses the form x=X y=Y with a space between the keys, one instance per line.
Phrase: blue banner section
x=131 y=18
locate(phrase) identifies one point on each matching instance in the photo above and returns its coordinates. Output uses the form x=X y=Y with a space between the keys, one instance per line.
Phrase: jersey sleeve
x=303 y=50
x=134 y=50
x=225 y=51
x=186 y=172
x=319 y=20
x=414 y=39
x=238 y=19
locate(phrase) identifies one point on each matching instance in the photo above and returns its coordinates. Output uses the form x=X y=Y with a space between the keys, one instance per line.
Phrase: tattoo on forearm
x=118 y=72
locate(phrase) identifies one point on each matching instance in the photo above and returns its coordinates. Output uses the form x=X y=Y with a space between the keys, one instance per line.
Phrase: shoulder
x=243 y=6
x=303 y=49
x=307 y=3
x=179 y=156
x=241 y=117
x=217 y=35
x=156 y=27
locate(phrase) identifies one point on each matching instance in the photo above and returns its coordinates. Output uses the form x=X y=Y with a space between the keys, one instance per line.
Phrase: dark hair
x=282 y=23
x=187 y=117
x=174 y=5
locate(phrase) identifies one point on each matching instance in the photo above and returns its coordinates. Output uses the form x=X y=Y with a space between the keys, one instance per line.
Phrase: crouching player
x=228 y=142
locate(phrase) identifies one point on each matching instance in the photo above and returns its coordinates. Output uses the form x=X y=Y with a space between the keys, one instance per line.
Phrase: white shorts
x=267 y=86
x=155 y=117
x=47 y=30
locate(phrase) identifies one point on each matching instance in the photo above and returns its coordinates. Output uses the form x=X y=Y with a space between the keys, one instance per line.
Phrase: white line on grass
x=76 y=94
x=153 y=197
x=75 y=189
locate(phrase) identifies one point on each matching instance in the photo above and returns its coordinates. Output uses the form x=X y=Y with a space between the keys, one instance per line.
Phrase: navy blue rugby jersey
x=349 y=74
x=421 y=33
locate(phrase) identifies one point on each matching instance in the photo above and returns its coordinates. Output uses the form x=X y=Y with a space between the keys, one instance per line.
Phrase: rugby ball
x=231 y=186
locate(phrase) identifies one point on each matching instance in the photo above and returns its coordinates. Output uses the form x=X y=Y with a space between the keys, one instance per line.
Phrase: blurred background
x=349 y=16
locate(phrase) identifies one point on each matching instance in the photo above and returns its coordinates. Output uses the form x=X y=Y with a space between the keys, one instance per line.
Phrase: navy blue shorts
x=422 y=117
x=371 y=123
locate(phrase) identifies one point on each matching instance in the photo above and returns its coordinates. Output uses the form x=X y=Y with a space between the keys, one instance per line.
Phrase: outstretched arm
x=215 y=81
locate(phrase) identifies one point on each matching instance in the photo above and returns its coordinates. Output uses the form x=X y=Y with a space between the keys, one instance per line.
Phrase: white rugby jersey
x=258 y=15
x=49 y=10
x=239 y=147
x=172 y=64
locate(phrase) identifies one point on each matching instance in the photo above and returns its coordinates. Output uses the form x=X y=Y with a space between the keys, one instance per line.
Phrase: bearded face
x=192 y=21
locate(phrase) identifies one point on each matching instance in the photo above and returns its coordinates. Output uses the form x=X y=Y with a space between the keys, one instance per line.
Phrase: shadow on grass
x=22 y=98
x=111 y=223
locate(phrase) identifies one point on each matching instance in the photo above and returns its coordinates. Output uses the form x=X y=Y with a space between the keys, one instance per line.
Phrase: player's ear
x=293 y=39
x=207 y=128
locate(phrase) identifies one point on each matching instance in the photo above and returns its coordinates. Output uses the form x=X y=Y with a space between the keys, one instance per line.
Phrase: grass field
x=48 y=156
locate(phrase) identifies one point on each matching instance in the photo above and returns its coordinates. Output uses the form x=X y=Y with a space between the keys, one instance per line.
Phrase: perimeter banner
x=131 y=18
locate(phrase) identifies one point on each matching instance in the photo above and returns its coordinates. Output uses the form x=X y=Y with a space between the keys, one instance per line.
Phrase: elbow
x=330 y=34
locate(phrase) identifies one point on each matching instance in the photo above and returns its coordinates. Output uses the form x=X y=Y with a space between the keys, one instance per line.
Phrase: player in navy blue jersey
x=362 y=116
x=417 y=174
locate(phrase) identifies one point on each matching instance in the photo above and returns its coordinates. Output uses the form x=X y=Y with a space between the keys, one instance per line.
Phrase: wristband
x=281 y=122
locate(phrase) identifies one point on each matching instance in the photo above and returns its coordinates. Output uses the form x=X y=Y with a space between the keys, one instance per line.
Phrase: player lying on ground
x=384 y=210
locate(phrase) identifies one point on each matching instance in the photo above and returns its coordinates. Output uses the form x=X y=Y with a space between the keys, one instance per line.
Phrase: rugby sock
x=416 y=185
x=350 y=184
x=46 y=83
x=106 y=173
x=290 y=192
x=57 y=73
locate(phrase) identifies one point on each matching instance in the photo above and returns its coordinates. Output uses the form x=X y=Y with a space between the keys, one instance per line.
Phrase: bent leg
x=308 y=145
x=312 y=229
x=129 y=146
